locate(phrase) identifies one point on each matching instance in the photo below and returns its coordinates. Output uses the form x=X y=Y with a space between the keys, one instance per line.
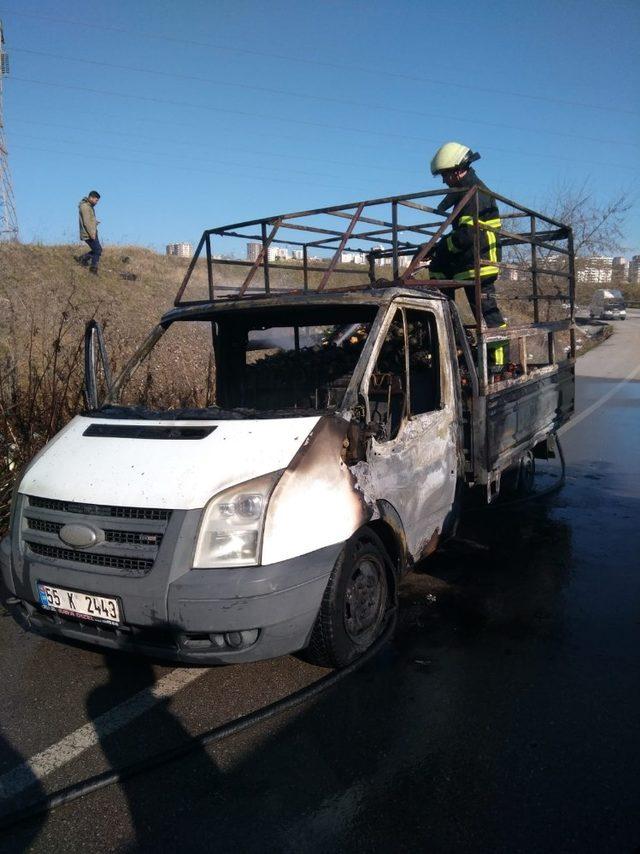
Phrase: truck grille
x=134 y=564
x=130 y=536
x=100 y=509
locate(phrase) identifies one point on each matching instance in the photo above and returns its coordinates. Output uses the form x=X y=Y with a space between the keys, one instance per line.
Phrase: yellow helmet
x=451 y=155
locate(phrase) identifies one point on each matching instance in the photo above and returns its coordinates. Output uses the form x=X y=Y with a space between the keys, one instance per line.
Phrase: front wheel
x=354 y=605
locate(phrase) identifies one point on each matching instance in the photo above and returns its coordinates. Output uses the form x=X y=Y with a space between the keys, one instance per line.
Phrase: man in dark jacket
x=89 y=231
x=453 y=255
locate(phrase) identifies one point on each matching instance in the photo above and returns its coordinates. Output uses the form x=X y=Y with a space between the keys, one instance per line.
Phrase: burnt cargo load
x=333 y=425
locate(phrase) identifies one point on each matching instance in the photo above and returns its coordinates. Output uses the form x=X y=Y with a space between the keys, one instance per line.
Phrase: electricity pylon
x=8 y=218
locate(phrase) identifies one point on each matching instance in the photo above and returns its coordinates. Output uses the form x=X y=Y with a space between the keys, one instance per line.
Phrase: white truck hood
x=171 y=474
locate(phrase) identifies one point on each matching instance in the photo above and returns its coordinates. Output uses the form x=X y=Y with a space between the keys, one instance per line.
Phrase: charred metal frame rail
x=393 y=240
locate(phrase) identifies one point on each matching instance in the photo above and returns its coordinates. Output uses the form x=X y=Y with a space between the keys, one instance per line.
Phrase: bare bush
x=598 y=229
x=41 y=380
x=597 y=226
x=40 y=388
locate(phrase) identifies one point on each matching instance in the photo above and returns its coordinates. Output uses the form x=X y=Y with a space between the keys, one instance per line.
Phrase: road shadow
x=22 y=836
x=153 y=806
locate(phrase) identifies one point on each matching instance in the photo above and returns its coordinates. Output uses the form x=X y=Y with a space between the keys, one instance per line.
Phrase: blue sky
x=196 y=114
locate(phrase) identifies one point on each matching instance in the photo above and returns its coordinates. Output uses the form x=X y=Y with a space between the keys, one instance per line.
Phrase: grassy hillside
x=40 y=282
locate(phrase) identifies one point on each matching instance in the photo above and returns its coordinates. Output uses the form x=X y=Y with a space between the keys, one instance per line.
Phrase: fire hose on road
x=100 y=781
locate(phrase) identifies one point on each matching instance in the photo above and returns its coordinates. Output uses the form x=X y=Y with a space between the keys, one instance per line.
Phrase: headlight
x=232 y=524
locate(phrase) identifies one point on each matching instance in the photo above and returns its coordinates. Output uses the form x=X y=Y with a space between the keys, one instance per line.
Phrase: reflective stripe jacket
x=456 y=249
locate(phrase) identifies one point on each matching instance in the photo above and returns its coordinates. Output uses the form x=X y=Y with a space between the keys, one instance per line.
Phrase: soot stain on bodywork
x=326 y=443
x=316 y=501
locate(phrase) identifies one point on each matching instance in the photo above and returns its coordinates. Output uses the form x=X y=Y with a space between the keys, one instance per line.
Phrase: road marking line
x=76 y=743
x=599 y=402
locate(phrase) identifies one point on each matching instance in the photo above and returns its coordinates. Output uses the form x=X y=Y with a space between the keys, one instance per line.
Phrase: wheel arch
x=389 y=529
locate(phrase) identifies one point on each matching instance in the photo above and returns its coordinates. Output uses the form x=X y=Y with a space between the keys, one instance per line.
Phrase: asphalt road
x=504 y=717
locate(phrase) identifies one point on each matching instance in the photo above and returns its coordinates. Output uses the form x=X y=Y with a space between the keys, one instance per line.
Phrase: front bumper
x=183 y=615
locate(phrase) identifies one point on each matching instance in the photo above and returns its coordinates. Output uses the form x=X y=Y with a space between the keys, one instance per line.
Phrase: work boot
x=81 y=259
x=93 y=270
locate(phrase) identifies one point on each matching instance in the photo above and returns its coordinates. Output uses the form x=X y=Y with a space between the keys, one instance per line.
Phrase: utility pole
x=8 y=218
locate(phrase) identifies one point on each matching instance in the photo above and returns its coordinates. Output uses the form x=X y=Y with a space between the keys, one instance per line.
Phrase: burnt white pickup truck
x=343 y=429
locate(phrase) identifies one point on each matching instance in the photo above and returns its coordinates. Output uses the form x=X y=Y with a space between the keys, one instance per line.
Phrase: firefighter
x=453 y=256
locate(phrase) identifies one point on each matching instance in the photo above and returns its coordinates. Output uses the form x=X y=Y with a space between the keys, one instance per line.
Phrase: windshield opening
x=255 y=362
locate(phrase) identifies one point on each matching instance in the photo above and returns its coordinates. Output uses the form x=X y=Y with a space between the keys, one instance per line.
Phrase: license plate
x=86 y=606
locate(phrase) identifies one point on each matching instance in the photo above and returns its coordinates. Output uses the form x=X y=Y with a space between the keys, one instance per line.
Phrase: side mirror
x=94 y=350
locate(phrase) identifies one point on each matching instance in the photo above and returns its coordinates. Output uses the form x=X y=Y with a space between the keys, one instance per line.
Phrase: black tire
x=527 y=474
x=519 y=480
x=354 y=605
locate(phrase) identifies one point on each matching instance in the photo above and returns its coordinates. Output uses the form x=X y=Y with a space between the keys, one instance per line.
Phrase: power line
x=263 y=153
x=272 y=117
x=386 y=73
x=199 y=170
x=305 y=96
x=198 y=127
x=223 y=162
x=207 y=145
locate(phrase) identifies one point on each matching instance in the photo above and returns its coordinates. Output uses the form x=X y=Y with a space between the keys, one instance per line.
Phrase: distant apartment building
x=182 y=250
x=597 y=270
x=274 y=253
x=279 y=253
x=620 y=271
x=634 y=270
x=353 y=258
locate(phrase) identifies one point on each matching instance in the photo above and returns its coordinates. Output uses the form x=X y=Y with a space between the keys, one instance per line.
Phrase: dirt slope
x=39 y=283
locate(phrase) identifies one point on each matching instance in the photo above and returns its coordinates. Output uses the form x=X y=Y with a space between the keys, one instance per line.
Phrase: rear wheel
x=527 y=474
x=519 y=480
x=354 y=605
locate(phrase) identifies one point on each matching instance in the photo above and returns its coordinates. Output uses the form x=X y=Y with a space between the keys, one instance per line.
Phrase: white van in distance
x=607 y=304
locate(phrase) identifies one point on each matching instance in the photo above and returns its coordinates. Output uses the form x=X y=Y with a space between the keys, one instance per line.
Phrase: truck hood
x=169 y=467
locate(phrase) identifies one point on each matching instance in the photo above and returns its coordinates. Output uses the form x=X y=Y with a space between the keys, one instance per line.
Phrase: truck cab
x=211 y=534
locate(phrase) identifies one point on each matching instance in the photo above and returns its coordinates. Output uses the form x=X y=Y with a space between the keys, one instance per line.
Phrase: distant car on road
x=607 y=304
